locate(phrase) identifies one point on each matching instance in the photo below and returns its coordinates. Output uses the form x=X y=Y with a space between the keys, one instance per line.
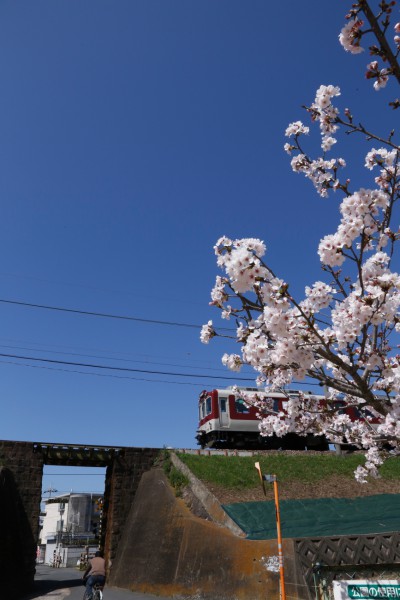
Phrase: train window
x=241 y=407
x=362 y=413
x=275 y=406
x=208 y=405
x=222 y=404
x=338 y=405
x=202 y=410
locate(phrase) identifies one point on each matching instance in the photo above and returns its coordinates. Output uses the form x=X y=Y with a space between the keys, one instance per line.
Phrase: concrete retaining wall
x=184 y=556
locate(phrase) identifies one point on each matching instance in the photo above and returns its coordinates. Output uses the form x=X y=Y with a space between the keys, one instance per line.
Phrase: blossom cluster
x=352 y=33
x=360 y=217
x=350 y=36
x=243 y=266
x=321 y=171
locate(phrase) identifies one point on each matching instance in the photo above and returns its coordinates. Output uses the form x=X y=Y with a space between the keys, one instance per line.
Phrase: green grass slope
x=300 y=475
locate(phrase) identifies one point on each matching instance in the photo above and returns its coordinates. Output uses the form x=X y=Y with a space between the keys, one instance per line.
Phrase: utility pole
x=49 y=491
x=273 y=479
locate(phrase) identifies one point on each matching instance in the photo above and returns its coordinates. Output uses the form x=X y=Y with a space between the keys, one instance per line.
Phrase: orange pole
x=273 y=479
x=280 y=552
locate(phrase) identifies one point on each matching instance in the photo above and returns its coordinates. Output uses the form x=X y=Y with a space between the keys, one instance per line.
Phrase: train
x=227 y=422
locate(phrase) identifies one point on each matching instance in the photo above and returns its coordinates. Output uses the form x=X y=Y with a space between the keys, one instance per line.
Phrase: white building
x=70 y=525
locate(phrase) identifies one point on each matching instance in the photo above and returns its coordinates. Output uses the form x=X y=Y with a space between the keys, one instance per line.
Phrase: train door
x=223 y=411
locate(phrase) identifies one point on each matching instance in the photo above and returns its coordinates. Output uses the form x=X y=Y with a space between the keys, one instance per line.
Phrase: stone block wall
x=21 y=471
x=122 y=480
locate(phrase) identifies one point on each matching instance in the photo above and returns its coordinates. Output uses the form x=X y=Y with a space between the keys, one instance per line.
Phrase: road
x=60 y=584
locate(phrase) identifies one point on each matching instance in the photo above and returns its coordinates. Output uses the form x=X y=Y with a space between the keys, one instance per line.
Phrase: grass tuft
x=177 y=479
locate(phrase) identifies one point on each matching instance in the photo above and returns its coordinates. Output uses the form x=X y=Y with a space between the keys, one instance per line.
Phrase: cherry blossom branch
x=385 y=49
x=352 y=128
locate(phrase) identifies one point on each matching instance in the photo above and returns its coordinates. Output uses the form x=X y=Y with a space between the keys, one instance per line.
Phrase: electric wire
x=96 y=288
x=106 y=315
x=110 y=375
x=126 y=377
x=111 y=368
x=81 y=351
x=105 y=357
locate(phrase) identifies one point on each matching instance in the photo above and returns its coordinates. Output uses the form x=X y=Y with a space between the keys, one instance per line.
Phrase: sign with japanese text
x=358 y=589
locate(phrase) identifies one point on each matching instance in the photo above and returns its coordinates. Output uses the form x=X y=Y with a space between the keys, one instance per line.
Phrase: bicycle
x=97 y=593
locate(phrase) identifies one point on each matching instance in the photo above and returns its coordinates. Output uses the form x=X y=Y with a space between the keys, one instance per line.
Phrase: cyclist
x=95 y=573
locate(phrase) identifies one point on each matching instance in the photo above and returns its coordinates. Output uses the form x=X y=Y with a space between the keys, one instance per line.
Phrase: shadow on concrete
x=49 y=580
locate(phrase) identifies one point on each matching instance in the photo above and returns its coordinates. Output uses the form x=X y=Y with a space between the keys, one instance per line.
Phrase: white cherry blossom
x=348 y=36
x=207 y=332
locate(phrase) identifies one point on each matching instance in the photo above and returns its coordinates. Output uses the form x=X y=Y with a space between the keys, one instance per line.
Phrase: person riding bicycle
x=95 y=573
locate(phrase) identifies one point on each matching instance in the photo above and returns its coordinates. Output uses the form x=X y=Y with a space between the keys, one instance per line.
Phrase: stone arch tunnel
x=21 y=471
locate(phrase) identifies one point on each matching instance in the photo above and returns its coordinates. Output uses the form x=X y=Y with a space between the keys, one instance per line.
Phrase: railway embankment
x=216 y=541
x=320 y=494
x=231 y=476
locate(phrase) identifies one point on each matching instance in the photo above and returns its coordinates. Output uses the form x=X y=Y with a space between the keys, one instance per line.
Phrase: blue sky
x=133 y=134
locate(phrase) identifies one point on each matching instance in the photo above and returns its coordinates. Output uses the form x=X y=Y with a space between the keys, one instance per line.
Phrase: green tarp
x=319 y=518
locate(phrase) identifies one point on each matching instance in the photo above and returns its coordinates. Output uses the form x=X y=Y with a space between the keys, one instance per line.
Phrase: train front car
x=225 y=421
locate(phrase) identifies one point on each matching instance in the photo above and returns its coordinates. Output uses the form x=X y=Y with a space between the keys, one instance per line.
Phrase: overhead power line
x=126 y=360
x=88 y=373
x=91 y=374
x=125 y=369
x=105 y=315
